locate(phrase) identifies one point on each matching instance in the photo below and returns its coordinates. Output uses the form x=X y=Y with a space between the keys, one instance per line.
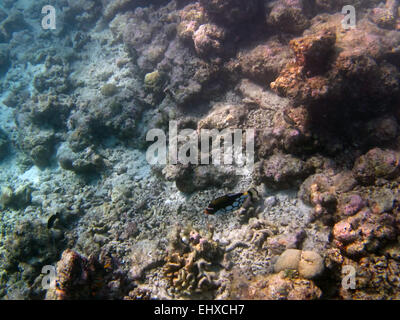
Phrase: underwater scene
x=199 y=149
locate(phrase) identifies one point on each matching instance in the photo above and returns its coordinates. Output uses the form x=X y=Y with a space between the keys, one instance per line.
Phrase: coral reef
x=333 y=88
x=77 y=103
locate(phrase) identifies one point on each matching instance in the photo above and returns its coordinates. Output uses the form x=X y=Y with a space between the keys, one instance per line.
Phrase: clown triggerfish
x=230 y=202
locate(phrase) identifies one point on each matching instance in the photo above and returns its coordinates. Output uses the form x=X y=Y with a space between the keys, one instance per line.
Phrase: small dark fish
x=52 y=219
x=230 y=202
x=288 y=119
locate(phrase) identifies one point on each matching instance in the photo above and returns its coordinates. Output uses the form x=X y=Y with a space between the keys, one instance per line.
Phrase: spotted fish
x=230 y=202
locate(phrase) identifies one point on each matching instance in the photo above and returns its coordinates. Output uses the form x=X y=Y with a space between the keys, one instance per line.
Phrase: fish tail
x=253 y=193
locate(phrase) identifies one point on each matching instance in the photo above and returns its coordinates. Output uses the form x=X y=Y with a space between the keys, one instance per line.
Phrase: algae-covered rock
x=18 y=198
x=192 y=16
x=83 y=162
x=55 y=77
x=281 y=171
x=53 y=110
x=153 y=81
x=189 y=178
x=13 y=23
x=280 y=286
x=38 y=145
x=385 y=17
x=364 y=232
x=84 y=278
x=264 y=62
x=109 y=90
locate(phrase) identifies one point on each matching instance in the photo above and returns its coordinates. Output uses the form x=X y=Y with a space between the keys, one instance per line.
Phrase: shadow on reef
x=348 y=92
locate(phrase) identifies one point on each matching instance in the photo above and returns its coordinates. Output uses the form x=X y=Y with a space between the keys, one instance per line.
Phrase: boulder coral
x=308 y=264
